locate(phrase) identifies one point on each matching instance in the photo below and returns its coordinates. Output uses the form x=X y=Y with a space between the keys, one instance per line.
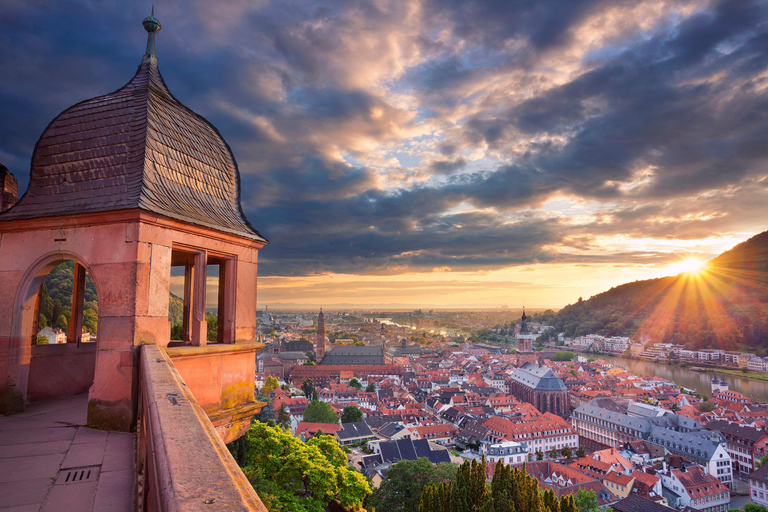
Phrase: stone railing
x=221 y=377
x=182 y=462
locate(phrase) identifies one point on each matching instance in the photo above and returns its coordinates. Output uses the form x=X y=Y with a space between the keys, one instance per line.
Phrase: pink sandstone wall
x=64 y=369
x=221 y=378
x=128 y=255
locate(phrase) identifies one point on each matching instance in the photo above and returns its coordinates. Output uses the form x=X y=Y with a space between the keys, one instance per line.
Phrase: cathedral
x=539 y=386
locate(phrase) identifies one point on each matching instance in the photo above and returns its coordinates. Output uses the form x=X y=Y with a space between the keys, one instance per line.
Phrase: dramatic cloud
x=394 y=137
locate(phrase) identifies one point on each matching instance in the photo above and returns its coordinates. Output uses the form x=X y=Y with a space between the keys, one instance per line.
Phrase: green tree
x=355 y=383
x=567 y=452
x=707 y=406
x=549 y=501
x=308 y=387
x=282 y=416
x=290 y=475
x=265 y=414
x=586 y=501
x=554 y=453
x=501 y=489
x=763 y=460
x=270 y=385
x=563 y=355
x=370 y=388
x=42 y=340
x=539 y=455
x=351 y=414
x=405 y=482
x=213 y=326
x=581 y=452
x=320 y=412
x=61 y=322
x=42 y=322
x=90 y=320
x=568 y=504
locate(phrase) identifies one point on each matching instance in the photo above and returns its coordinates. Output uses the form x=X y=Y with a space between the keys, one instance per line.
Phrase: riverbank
x=754 y=388
x=736 y=373
x=702 y=368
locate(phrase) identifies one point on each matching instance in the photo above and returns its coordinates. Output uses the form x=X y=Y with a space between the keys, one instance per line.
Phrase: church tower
x=320 y=341
x=524 y=323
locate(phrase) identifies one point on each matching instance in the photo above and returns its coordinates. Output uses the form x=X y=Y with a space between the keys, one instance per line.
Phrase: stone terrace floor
x=47 y=447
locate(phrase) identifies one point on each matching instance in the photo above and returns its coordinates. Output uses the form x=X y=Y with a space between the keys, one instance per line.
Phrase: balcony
x=177 y=459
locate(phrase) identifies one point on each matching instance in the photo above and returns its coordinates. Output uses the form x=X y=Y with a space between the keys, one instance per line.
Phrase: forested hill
x=723 y=306
x=56 y=300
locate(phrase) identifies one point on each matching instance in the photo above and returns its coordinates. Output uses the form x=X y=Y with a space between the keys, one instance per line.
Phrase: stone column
x=199 y=324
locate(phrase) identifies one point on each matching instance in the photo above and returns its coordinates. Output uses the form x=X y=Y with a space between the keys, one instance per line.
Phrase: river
x=757 y=390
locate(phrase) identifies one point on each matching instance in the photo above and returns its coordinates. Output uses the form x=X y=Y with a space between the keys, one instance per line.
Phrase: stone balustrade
x=182 y=461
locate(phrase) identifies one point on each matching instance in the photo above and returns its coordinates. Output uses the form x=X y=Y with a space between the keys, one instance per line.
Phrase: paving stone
x=14 y=494
x=70 y=498
x=90 y=435
x=37 y=435
x=22 y=508
x=86 y=454
x=115 y=492
x=17 y=469
x=120 y=453
x=14 y=423
x=31 y=449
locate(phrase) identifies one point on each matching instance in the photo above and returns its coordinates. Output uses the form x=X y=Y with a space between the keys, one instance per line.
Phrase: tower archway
x=54 y=331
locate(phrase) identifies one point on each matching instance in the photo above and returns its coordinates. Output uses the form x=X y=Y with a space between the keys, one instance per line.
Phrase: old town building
x=539 y=386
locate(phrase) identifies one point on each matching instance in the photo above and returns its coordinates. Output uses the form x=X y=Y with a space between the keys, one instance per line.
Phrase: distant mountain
x=723 y=306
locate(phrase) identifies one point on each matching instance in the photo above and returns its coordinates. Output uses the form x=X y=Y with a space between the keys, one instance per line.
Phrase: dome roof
x=137 y=147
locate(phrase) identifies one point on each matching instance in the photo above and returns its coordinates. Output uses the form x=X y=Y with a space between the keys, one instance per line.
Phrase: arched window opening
x=63 y=334
x=68 y=308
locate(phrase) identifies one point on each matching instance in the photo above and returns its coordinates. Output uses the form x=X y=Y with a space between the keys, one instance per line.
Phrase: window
x=202 y=296
x=68 y=309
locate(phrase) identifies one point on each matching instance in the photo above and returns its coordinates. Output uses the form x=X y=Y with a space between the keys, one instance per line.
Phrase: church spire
x=152 y=26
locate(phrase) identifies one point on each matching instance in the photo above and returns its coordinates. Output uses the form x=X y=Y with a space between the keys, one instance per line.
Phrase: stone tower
x=127 y=185
x=320 y=340
x=524 y=323
x=9 y=189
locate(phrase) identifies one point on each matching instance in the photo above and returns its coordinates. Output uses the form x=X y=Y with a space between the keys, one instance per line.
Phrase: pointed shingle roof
x=137 y=147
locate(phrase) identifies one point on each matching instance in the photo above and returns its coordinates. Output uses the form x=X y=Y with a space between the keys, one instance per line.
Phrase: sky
x=440 y=154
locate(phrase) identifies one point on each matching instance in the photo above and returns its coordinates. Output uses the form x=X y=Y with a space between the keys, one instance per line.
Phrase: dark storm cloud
x=501 y=105
x=493 y=22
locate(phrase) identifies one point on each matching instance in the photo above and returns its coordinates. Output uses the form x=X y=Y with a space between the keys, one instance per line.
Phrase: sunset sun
x=688 y=266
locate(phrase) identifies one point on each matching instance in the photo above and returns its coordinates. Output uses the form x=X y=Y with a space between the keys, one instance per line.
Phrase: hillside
x=723 y=306
x=56 y=300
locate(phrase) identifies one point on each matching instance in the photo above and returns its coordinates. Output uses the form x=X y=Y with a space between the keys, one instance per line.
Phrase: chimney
x=9 y=189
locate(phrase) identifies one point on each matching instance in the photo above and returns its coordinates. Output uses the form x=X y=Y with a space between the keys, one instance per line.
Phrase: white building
x=53 y=335
x=619 y=344
x=758 y=486
x=508 y=452
x=692 y=487
x=756 y=364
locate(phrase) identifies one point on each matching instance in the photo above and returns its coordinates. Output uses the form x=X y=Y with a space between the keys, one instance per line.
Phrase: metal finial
x=152 y=26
